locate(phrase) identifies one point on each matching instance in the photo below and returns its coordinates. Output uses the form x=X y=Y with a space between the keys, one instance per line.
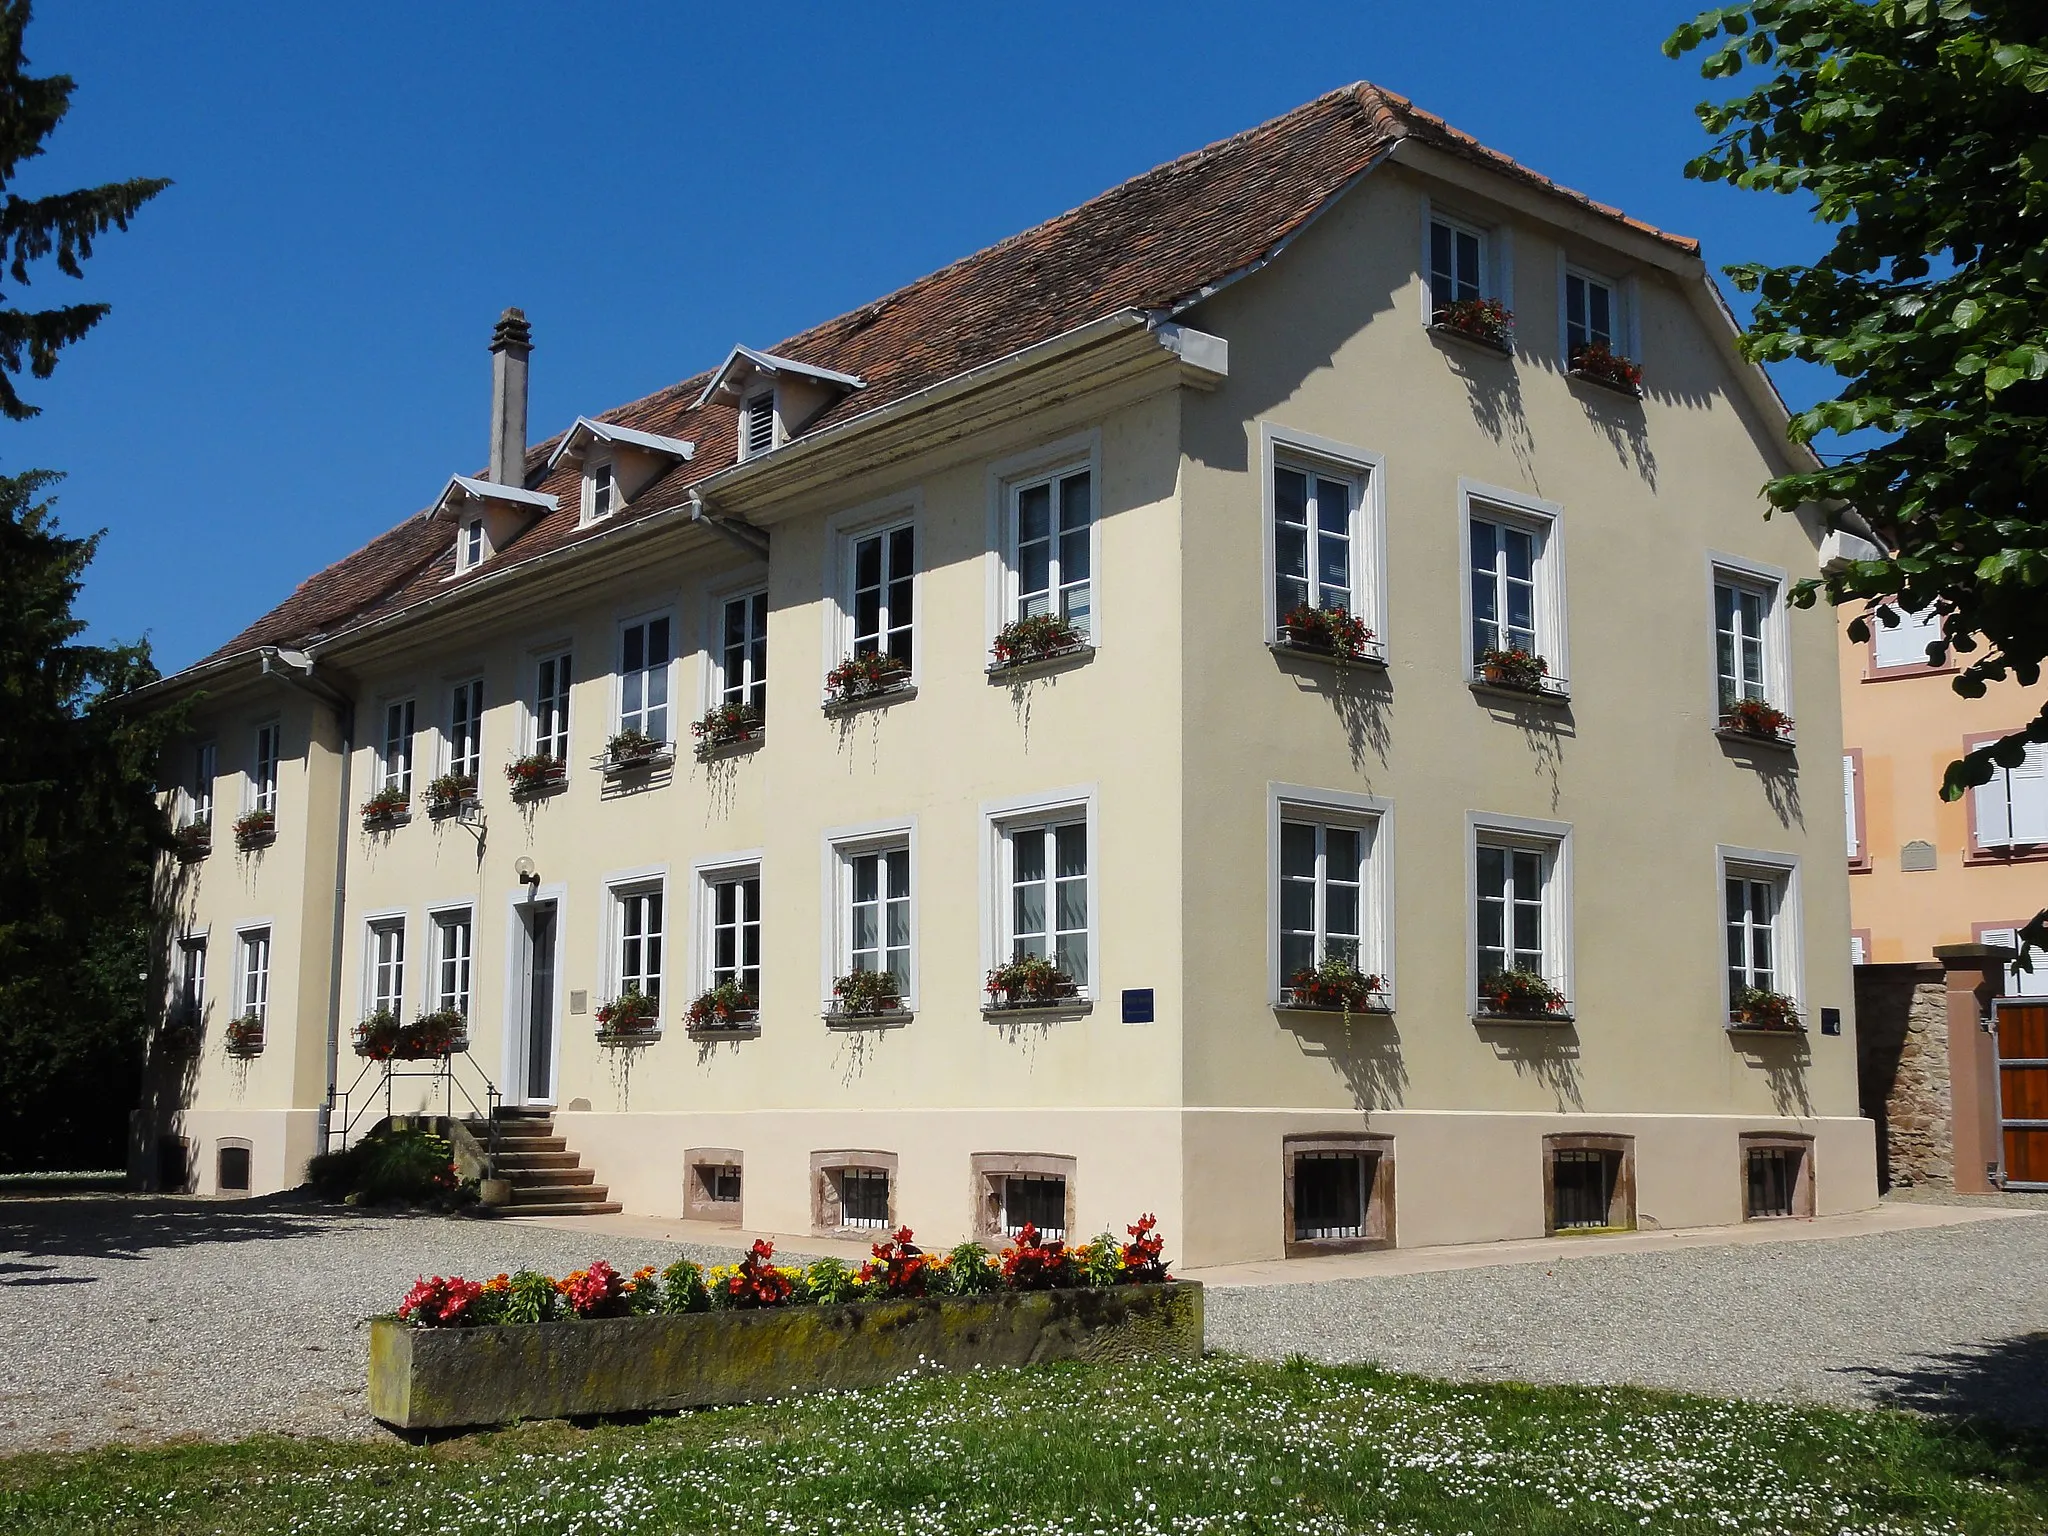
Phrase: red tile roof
x=1152 y=243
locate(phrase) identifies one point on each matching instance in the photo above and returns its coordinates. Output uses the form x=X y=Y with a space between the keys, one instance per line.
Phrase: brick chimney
x=511 y=342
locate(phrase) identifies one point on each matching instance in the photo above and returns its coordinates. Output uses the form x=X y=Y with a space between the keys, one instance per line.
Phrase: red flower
x=899 y=1265
x=757 y=1282
x=1032 y=1265
x=439 y=1303
x=1143 y=1256
x=599 y=1291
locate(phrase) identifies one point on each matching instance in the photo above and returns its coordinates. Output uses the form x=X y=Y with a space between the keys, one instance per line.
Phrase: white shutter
x=2027 y=796
x=2019 y=983
x=1849 y=803
x=1856 y=955
x=1905 y=644
x=1993 y=804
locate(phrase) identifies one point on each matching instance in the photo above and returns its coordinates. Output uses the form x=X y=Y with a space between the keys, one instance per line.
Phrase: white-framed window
x=2019 y=983
x=2011 y=811
x=253 y=979
x=639 y=932
x=1749 y=634
x=1324 y=528
x=200 y=791
x=1046 y=884
x=1514 y=591
x=742 y=656
x=1759 y=922
x=731 y=926
x=1904 y=644
x=600 y=491
x=873 y=902
x=1852 y=807
x=189 y=998
x=759 y=430
x=386 y=978
x=1051 y=546
x=471 y=548
x=1458 y=258
x=551 y=676
x=394 y=760
x=466 y=728
x=880 y=591
x=454 y=935
x=1521 y=899
x=1596 y=313
x=263 y=771
x=1330 y=872
x=645 y=652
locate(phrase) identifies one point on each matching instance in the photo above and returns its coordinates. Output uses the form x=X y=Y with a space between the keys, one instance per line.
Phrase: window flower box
x=865 y=995
x=1486 y=321
x=1515 y=669
x=1034 y=640
x=1333 y=632
x=244 y=1036
x=1595 y=363
x=194 y=841
x=1335 y=986
x=1031 y=981
x=389 y=807
x=725 y=1008
x=860 y=678
x=634 y=751
x=1525 y=995
x=1756 y=1010
x=726 y=728
x=430 y=1037
x=535 y=775
x=256 y=830
x=1756 y=720
x=450 y=795
x=631 y=1018
x=182 y=1035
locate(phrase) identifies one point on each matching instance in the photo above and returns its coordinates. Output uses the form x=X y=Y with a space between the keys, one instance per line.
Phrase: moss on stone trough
x=445 y=1378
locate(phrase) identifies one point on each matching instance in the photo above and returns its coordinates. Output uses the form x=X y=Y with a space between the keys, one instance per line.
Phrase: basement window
x=1777 y=1180
x=1036 y=1200
x=232 y=1170
x=1589 y=1184
x=853 y=1192
x=1339 y=1194
x=711 y=1192
x=863 y=1197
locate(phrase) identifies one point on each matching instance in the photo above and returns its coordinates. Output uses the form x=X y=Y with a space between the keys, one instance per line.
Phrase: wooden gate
x=2023 y=1092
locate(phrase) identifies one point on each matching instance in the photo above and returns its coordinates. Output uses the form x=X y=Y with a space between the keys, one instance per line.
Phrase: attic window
x=472 y=552
x=600 y=493
x=757 y=424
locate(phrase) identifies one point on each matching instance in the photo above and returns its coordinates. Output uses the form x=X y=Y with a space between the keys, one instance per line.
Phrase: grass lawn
x=1225 y=1446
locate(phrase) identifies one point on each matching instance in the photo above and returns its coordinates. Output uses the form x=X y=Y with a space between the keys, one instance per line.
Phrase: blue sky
x=296 y=359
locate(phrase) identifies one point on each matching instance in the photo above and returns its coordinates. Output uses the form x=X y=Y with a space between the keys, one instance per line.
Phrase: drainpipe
x=296 y=669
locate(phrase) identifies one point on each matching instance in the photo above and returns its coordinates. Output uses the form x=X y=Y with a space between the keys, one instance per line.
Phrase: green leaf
x=1967 y=313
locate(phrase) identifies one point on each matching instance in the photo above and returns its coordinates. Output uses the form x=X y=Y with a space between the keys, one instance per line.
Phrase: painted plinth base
x=442 y=1378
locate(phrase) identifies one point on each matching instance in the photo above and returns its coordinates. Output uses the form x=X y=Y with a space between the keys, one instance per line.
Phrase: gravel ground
x=1952 y=1320
x=141 y=1319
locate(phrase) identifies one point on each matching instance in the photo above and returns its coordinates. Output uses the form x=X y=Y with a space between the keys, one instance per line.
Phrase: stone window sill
x=881 y=698
x=1466 y=338
x=751 y=1030
x=1549 y=693
x=892 y=1018
x=1558 y=1020
x=1066 y=1008
x=1750 y=739
x=748 y=743
x=1753 y=1030
x=1607 y=386
x=1374 y=660
x=623 y=767
x=636 y=1037
x=1041 y=666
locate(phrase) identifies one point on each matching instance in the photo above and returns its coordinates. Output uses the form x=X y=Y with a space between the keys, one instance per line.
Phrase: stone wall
x=1902 y=1072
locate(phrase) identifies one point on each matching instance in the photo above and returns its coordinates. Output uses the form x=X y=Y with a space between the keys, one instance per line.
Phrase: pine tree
x=63 y=225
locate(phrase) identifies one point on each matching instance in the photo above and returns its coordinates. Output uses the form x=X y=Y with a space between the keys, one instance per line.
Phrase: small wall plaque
x=1137 y=1005
x=1831 y=1021
x=579 y=1002
x=1917 y=856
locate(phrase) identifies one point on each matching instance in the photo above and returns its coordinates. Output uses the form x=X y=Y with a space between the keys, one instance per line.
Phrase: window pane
x=1298 y=905
x=899 y=873
x=1034 y=514
x=1520 y=549
x=1073 y=904
x=1290 y=497
x=1297 y=849
x=1073 y=849
x=1342 y=904
x=1071 y=956
x=1030 y=919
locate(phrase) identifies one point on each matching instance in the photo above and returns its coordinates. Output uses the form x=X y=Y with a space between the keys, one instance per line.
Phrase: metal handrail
x=345 y=1112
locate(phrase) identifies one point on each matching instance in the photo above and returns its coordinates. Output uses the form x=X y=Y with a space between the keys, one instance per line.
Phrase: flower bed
x=1327 y=632
x=1513 y=667
x=381 y=1037
x=244 y=1036
x=256 y=830
x=1765 y=1012
x=386 y=807
x=534 y=774
x=448 y=794
x=726 y=725
x=628 y=750
x=194 y=841
x=527 y=1346
x=1756 y=719
x=866 y=995
x=1522 y=995
x=1335 y=986
x=1040 y=637
x=1597 y=363
x=725 y=1006
x=866 y=677
x=1030 y=982
x=629 y=1017
x=1486 y=321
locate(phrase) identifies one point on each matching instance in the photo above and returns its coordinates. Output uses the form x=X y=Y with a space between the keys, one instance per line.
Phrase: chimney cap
x=512 y=333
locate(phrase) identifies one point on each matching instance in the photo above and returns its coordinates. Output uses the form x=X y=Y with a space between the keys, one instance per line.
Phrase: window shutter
x=1905 y=644
x=1993 y=811
x=1849 y=803
x=2027 y=796
x=760 y=424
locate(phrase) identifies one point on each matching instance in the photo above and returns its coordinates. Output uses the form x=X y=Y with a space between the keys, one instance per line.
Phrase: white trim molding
x=997 y=817
x=1372 y=814
x=836 y=847
x=1074 y=451
x=1546 y=520
x=1365 y=468
x=1789 y=930
x=1555 y=839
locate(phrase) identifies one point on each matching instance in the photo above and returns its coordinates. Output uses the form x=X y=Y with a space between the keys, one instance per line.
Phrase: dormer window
x=472 y=551
x=757 y=424
x=600 y=492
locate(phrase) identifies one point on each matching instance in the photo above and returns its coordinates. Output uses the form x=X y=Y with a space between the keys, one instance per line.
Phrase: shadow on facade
x=1366 y=1053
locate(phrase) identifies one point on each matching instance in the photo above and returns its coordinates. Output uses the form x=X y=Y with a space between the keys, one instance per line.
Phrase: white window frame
x=743 y=425
x=1622 y=293
x=254 y=1000
x=1771 y=583
x=1002 y=818
x=263 y=786
x=472 y=544
x=471 y=691
x=1995 y=797
x=205 y=776
x=706 y=874
x=1052 y=460
x=598 y=468
x=842 y=533
x=717 y=680
x=1496 y=258
x=2014 y=982
x=443 y=919
x=1286 y=448
x=1374 y=816
x=620 y=887
x=395 y=753
x=535 y=660
x=376 y=924
x=670 y=704
x=1787 y=937
x=188 y=995
x=841 y=846
x=1545 y=519
x=1552 y=838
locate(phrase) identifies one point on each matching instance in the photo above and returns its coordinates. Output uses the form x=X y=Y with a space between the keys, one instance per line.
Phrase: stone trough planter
x=445 y=1378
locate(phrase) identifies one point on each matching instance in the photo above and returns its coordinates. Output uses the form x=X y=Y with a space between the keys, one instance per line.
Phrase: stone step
x=549 y=1178
x=521 y=1144
x=559 y=1194
x=513 y=1162
x=564 y=1208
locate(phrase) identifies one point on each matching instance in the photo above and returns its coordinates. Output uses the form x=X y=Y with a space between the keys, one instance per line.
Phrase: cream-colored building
x=1171 y=416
